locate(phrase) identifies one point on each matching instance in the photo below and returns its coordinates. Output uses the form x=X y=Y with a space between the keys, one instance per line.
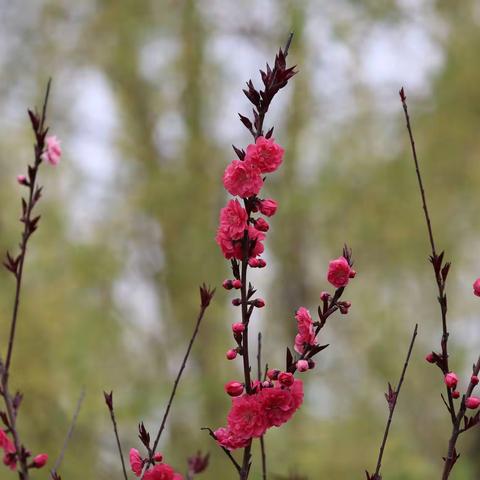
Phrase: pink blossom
x=279 y=404
x=268 y=207
x=476 y=287
x=472 y=402
x=246 y=418
x=9 y=458
x=227 y=245
x=256 y=238
x=339 y=272
x=136 y=462
x=451 y=380
x=226 y=438
x=40 y=460
x=232 y=248
x=242 y=178
x=266 y=155
x=306 y=332
x=233 y=219
x=52 y=151
x=162 y=471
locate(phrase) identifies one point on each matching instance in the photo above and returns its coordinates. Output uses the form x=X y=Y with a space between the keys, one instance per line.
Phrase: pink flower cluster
x=272 y=404
x=243 y=178
x=160 y=471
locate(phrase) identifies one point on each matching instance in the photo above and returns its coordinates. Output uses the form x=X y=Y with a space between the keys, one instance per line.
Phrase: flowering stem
x=452 y=455
x=436 y=260
x=15 y=265
x=69 y=435
x=392 y=403
x=206 y=295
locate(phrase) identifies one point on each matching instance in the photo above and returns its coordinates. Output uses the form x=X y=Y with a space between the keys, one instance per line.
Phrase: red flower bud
x=474 y=379
x=286 y=379
x=476 y=287
x=22 y=180
x=324 y=296
x=472 y=402
x=431 y=358
x=261 y=263
x=352 y=273
x=262 y=225
x=455 y=394
x=231 y=354
x=451 y=380
x=227 y=284
x=273 y=374
x=259 y=303
x=40 y=460
x=158 y=457
x=253 y=262
x=236 y=302
x=234 y=389
x=238 y=327
x=237 y=284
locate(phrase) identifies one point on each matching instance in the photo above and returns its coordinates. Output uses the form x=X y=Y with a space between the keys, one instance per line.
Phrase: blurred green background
x=145 y=99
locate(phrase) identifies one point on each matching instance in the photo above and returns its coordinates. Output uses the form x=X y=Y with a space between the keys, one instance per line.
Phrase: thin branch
x=69 y=435
x=109 y=402
x=440 y=271
x=206 y=294
x=392 y=398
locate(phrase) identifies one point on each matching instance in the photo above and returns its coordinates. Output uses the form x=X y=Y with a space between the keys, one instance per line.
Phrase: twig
x=392 y=398
x=440 y=271
x=69 y=435
x=259 y=376
x=206 y=295
x=109 y=402
x=227 y=452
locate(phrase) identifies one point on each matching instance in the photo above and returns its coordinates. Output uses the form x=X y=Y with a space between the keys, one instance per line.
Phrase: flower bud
x=451 y=380
x=302 y=365
x=227 y=284
x=262 y=225
x=476 y=287
x=474 y=379
x=231 y=354
x=158 y=457
x=238 y=327
x=311 y=363
x=259 y=303
x=236 y=302
x=22 y=180
x=431 y=358
x=40 y=460
x=253 y=262
x=237 y=284
x=261 y=263
x=268 y=207
x=352 y=273
x=286 y=379
x=267 y=384
x=234 y=389
x=455 y=394
x=273 y=374
x=256 y=386
x=324 y=296
x=472 y=402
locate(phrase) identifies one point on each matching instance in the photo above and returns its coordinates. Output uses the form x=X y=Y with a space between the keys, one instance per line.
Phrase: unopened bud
x=259 y=303
x=451 y=380
x=253 y=262
x=302 y=365
x=431 y=358
x=40 y=460
x=236 y=302
x=262 y=225
x=238 y=327
x=273 y=374
x=324 y=296
x=158 y=457
x=231 y=354
x=227 y=284
x=286 y=379
x=455 y=394
x=267 y=384
x=237 y=284
x=472 y=402
x=352 y=273
x=234 y=389
x=22 y=180
x=474 y=379
x=261 y=263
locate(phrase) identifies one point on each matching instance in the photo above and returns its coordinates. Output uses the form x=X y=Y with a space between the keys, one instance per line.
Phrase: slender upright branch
x=440 y=271
x=109 y=402
x=392 y=398
x=206 y=295
x=69 y=435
